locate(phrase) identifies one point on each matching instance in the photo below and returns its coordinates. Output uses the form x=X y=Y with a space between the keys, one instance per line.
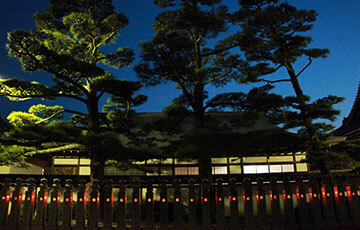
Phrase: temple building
x=239 y=162
x=350 y=128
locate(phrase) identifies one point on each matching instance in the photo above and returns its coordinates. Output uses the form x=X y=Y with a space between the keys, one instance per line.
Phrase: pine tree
x=186 y=50
x=67 y=43
x=273 y=39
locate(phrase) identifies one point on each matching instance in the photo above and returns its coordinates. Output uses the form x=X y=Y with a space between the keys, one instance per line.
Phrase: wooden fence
x=311 y=202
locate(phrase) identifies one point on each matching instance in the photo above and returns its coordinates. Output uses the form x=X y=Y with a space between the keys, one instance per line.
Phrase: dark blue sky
x=337 y=28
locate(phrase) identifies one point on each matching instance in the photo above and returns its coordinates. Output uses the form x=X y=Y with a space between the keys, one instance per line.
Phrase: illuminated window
x=275 y=169
x=186 y=170
x=262 y=169
x=219 y=160
x=181 y=171
x=254 y=169
x=235 y=169
x=288 y=168
x=301 y=167
x=281 y=159
x=249 y=169
x=219 y=170
x=193 y=170
x=84 y=170
x=262 y=159
x=185 y=161
x=66 y=161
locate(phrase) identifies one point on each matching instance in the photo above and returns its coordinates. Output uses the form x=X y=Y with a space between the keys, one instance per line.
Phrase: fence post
x=177 y=205
x=220 y=207
x=108 y=205
x=302 y=209
x=340 y=202
x=276 y=218
x=234 y=205
x=315 y=203
x=164 y=208
x=261 y=204
x=54 y=206
x=13 y=221
x=248 y=204
x=135 y=207
x=205 y=204
x=39 y=222
x=93 y=214
x=121 y=225
x=192 y=205
x=4 y=202
x=81 y=206
x=288 y=204
x=29 y=202
x=327 y=195
x=149 y=206
x=68 y=202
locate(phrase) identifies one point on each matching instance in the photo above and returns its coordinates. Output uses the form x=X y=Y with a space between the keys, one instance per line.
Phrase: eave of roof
x=352 y=122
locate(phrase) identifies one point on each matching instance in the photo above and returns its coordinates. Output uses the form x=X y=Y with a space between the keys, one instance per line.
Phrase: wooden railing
x=306 y=202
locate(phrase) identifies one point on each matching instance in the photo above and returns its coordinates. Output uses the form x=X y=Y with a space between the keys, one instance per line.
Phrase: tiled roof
x=351 y=124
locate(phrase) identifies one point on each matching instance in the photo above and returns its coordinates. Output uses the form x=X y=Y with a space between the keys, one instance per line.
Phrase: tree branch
x=25 y=97
x=218 y=77
x=100 y=95
x=220 y=50
x=308 y=64
x=49 y=117
x=57 y=149
x=273 y=82
x=127 y=108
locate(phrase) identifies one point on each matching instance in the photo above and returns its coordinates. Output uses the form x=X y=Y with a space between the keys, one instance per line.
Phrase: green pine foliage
x=67 y=43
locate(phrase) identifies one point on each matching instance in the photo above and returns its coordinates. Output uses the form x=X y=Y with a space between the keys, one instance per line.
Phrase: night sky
x=337 y=28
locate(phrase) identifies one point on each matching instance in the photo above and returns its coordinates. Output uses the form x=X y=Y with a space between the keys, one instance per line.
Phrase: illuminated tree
x=67 y=43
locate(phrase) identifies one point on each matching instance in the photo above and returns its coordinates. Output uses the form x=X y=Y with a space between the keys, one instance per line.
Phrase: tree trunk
x=294 y=81
x=97 y=167
x=199 y=122
x=93 y=114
